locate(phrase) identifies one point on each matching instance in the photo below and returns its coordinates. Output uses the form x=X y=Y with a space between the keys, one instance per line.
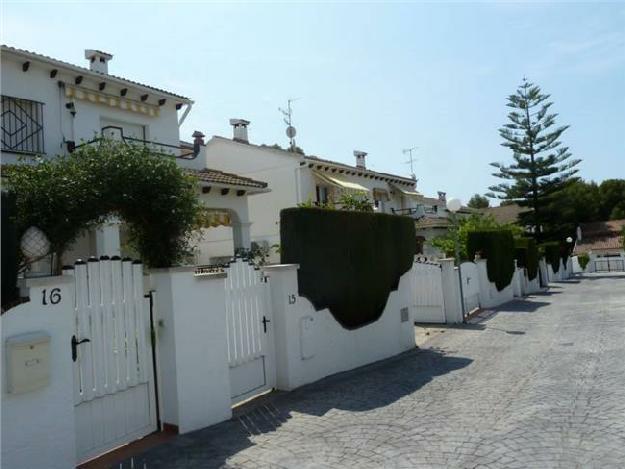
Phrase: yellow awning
x=406 y=192
x=212 y=218
x=340 y=183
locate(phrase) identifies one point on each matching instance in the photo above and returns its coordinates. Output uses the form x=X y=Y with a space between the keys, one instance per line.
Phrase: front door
x=251 y=354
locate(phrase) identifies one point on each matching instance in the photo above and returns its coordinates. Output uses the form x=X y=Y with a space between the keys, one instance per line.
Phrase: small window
x=22 y=126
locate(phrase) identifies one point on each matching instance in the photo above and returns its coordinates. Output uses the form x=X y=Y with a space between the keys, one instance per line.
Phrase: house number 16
x=54 y=297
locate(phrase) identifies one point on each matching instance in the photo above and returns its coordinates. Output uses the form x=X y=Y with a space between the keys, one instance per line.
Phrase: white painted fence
x=428 y=291
x=113 y=370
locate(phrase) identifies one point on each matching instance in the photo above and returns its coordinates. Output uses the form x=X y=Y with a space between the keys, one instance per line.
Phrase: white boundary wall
x=38 y=427
x=312 y=344
x=489 y=295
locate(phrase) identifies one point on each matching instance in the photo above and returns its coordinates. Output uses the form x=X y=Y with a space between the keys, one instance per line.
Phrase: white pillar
x=192 y=351
x=241 y=233
x=451 y=291
x=107 y=238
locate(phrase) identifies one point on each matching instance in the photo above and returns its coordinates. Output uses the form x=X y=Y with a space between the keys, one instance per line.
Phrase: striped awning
x=406 y=192
x=214 y=217
x=341 y=183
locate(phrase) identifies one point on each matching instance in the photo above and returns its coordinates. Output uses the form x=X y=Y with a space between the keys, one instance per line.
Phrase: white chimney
x=360 y=159
x=98 y=60
x=239 y=130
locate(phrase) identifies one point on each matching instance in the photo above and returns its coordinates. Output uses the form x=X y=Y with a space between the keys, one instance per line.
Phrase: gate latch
x=75 y=344
x=265 y=321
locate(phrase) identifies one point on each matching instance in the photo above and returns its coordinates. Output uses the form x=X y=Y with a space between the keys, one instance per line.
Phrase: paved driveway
x=540 y=383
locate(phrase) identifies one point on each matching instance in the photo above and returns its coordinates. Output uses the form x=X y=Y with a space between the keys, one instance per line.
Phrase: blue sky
x=373 y=77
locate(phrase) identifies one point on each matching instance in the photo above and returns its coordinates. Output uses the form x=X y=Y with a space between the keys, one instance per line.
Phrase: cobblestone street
x=538 y=383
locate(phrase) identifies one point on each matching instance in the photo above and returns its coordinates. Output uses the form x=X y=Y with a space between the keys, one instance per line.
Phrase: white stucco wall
x=36 y=84
x=490 y=297
x=312 y=344
x=38 y=427
x=192 y=360
x=277 y=168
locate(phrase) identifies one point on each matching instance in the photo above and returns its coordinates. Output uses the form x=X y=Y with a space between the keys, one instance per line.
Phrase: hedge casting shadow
x=526 y=254
x=497 y=246
x=349 y=261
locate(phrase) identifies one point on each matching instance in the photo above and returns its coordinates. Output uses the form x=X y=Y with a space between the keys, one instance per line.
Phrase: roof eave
x=87 y=72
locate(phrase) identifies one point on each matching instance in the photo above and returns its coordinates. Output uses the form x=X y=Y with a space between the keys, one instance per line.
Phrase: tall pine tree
x=542 y=166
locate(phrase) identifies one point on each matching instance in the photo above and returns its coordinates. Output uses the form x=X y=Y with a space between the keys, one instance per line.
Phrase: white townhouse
x=295 y=178
x=51 y=107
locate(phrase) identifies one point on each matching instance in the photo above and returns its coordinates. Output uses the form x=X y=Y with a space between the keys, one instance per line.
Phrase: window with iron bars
x=22 y=126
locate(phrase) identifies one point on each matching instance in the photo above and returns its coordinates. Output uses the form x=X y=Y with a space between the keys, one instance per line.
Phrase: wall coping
x=165 y=270
x=211 y=275
x=49 y=280
x=280 y=267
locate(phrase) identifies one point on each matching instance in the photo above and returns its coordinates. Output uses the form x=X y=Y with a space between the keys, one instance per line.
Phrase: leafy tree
x=542 y=167
x=479 y=201
x=461 y=228
x=66 y=195
x=577 y=203
x=612 y=199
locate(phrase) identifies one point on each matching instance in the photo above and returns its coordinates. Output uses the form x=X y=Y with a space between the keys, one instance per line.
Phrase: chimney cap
x=239 y=122
x=359 y=153
x=91 y=53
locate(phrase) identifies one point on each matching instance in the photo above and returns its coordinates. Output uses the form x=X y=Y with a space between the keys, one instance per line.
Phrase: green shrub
x=552 y=254
x=497 y=247
x=583 y=260
x=349 y=261
x=526 y=254
x=10 y=249
x=65 y=195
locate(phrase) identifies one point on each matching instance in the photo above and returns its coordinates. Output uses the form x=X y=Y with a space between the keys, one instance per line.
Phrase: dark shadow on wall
x=366 y=388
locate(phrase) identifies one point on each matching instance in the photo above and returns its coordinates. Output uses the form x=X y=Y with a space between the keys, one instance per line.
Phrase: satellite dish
x=290 y=131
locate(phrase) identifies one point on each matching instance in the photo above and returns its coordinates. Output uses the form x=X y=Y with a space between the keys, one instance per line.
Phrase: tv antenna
x=411 y=160
x=288 y=120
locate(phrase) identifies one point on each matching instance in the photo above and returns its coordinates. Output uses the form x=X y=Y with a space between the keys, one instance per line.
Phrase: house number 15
x=54 y=297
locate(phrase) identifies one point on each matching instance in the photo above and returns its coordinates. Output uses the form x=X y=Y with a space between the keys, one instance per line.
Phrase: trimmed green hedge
x=552 y=254
x=349 y=261
x=9 y=249
x=497 y=247
x=526 y=254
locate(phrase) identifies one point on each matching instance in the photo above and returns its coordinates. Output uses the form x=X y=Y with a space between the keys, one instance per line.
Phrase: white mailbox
x=28 y=362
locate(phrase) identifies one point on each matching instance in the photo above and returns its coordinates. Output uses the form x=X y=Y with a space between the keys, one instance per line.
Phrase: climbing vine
x=68 y=194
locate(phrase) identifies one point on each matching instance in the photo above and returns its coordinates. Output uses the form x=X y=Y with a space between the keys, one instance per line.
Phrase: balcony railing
x=177 y=151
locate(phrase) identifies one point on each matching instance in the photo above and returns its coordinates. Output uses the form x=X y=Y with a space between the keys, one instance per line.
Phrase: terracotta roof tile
x=219 y=177
x=505 y=213
x=602 y=235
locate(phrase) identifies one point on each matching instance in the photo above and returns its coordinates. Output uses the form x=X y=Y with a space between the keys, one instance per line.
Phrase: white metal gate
x=470 y=286
x=114 y=395
x=609 y=264
x=428 y=292
x=251 y=353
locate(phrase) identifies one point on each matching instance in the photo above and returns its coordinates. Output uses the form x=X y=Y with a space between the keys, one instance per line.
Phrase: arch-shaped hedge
x=349 y=261
x=526 y=254
x=67 y=194
x=497 y=246
x=552 y=254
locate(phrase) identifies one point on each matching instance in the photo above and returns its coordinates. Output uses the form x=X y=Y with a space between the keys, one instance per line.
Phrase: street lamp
x=453 y=205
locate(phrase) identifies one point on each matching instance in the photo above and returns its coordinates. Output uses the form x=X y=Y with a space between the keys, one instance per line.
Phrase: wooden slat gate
x=114 y=394
x=428 y=292
x=250 y=331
